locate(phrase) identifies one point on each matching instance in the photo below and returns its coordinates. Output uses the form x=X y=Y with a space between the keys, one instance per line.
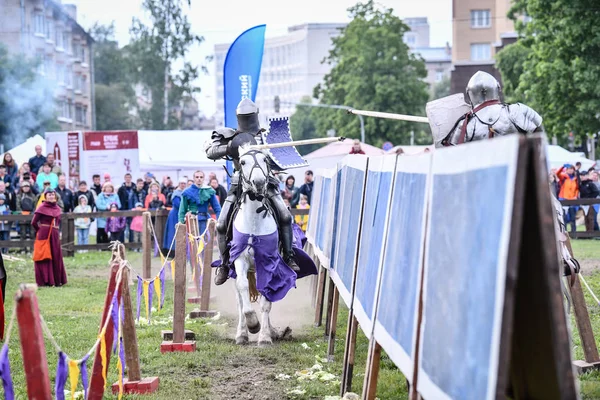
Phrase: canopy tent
x=23 y=152
x=410 y=150
x=558 y=156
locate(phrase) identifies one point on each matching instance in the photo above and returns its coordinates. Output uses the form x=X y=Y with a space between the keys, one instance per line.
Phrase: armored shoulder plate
x=524 y=117
x=223 y=133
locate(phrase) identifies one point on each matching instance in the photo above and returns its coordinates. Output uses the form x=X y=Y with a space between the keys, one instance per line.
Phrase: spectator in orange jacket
x=569 y=190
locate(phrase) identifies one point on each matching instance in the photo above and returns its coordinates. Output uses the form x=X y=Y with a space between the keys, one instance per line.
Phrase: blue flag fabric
x=241 y=72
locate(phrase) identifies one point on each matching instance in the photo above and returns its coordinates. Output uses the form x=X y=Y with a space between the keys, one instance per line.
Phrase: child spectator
x=137 y=224
x=83 y=224
x=115 y=225
x=302 y=220
x=4 y=226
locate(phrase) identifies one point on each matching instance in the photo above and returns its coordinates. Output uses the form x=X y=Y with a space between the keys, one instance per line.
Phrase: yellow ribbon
x=103 y=355
x=162 y=260
x=200 y=245
x=157 y=289
x=146 y=285
x=173 y=270
x=73 y=376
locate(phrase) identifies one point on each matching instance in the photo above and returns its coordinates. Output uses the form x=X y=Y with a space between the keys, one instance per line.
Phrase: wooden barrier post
x=159 y=229
x=321 y=286
x=97 y=384
x=372 y=373
x=147 y=248
x=179 y=339
x=584 y=326
x=348 y=363
x=204 y=311
x=333 y=323
x=134 y=382
x=330 y=291
x=32 y=345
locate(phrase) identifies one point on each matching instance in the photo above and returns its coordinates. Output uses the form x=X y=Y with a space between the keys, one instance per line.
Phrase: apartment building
x=48 y=30
x=480 y=28
x=292 y=65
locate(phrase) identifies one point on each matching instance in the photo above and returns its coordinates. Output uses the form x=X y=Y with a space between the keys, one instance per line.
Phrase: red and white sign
x=84 y=154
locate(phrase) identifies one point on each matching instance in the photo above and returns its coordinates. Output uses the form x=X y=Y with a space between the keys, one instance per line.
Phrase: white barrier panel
x=374 y=227
x=397 y=310
x=352 y=176
x=315 y=205
x=469 y=226
x=323 y=218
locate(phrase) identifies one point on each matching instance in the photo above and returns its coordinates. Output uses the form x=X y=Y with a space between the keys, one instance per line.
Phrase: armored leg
x=222 y=224
x=284 y=217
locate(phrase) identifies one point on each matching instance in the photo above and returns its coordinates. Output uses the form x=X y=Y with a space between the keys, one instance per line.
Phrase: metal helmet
x=247 y=116
x=482 y=87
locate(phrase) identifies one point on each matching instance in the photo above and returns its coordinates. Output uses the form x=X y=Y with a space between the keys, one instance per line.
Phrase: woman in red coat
x=49 y=272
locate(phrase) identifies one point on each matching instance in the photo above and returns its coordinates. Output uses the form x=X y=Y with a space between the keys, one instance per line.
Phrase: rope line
x=589 y=289
x=11 y=323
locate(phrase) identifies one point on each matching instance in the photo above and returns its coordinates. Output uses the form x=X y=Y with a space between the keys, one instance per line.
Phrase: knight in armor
x=489 y=116
x=225 y=143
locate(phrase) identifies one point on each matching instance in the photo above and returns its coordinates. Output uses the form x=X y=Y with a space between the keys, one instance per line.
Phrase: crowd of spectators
x=570 y=182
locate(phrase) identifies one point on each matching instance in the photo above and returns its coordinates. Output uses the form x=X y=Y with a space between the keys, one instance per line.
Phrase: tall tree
x=114 y=93
x=155 y=47
x=441 y=89
x=26 y=100
x=303 y=125
x=561 y=73
x=374 y=70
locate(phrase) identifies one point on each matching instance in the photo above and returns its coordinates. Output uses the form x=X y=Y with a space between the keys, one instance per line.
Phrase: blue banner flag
x=241 y=72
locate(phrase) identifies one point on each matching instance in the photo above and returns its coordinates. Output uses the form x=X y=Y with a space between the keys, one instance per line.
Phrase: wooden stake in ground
x=147 y=247
x=321 y=286
x=333 y=324
x=176 y=340
x=32 y=345
x=204 y=311
x=370 y=383
x=348 y=363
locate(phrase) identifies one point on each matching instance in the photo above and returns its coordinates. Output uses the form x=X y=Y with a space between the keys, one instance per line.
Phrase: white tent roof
x=23 y=152
x=558 y=156
x=174 y=150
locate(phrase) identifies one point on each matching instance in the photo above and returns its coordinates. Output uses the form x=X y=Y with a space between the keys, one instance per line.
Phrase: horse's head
x=254 y=171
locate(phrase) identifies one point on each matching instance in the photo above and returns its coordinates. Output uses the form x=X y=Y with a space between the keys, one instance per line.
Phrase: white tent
x=558 y=156
x=176 y=153
x=23 y=152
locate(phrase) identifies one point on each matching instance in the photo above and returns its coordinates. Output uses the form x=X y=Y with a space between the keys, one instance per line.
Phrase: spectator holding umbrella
x=47 y=253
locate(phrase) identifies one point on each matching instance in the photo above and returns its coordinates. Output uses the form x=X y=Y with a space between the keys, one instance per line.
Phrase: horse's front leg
x=242 y=265
x=264 y=337
x=241 y=337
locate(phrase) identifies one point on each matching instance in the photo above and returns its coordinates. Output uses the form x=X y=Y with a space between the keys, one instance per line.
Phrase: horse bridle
x=253 y=153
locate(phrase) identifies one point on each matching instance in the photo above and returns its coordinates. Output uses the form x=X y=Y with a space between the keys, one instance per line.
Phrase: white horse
x=253 y=219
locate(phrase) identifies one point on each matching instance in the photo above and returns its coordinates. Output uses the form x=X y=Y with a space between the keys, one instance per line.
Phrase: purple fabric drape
x=162 y=287
x=140 y=289
x=84 y=375
x=114 y=315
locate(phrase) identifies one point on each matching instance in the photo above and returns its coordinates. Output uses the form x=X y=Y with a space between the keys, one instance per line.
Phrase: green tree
x=114 y=94
x=559 y=49
x=303 y=126
x=373 y=70
x=26 y=100
x=154 y=48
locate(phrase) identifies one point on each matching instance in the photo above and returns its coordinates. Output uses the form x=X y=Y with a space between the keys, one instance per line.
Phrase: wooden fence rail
x=582 y=202
x=68 y=235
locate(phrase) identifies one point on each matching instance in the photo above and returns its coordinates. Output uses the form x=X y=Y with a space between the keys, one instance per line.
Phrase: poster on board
x=66 y=147
x=112 y=152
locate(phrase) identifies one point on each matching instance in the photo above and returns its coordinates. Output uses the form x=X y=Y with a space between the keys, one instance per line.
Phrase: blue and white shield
x=283 y=157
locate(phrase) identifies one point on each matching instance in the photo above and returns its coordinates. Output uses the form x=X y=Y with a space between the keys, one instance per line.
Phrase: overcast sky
x=220 y=21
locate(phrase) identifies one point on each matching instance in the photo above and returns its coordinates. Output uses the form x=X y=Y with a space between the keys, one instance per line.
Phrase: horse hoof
x=252 y=322
x=287 y=333
x=241 y=340
x=265 y=343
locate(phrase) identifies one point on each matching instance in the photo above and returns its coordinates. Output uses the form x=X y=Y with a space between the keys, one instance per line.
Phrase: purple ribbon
x=114 y=315
x=187 y=246
x=150 y=292
x=84 y=376
x=7 y=383
x=155 y=248
x=61 y=376
x=161 y=276
x=140 y=289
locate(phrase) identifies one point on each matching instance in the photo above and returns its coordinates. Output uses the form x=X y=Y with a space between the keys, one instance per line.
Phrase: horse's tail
x=254 y=294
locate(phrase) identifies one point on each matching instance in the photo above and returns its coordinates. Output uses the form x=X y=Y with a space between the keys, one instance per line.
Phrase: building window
x=50 y=29
x=481 y=51
x=69 y=76
x=77 y=51
x=410 y=38
x=48 y=67
x=66 y=41
x=39 y=23
x=481 y=19
x=58 y=38
x=82 y=84
x=81 y=114
x=439 y=75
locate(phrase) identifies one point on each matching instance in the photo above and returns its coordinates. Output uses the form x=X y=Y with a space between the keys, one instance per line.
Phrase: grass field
x=219 y=369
